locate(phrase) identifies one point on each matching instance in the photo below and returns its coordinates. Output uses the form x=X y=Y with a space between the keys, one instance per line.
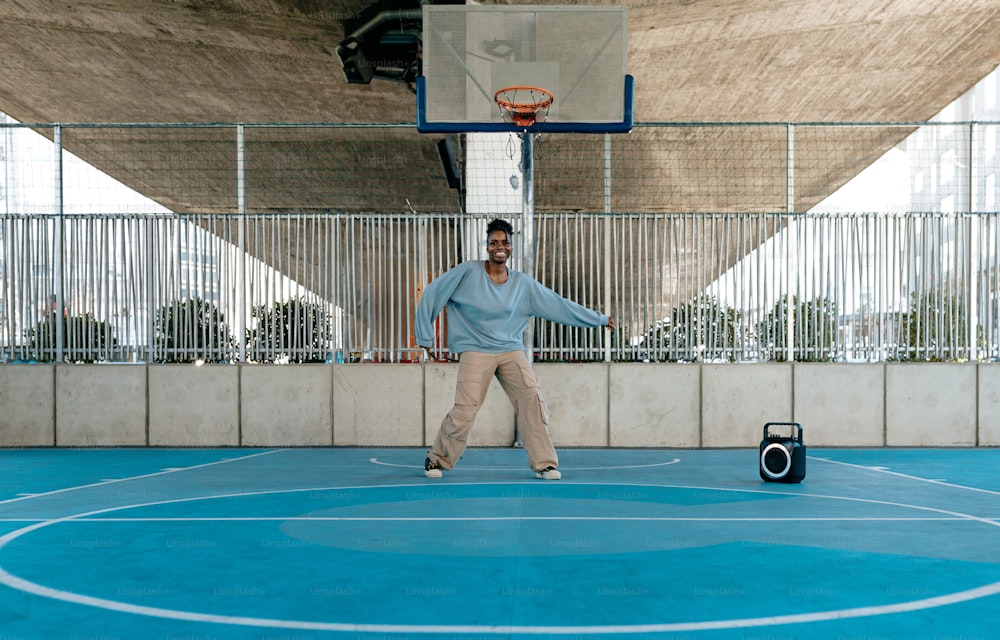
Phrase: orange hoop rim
x=518 y=107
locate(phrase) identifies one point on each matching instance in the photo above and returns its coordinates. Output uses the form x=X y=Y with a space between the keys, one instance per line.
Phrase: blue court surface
x=356 y=543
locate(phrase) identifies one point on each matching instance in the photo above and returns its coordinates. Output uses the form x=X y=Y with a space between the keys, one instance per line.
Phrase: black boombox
x=783 y=457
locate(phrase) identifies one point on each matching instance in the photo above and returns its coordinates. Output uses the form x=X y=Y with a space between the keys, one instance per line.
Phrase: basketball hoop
x=523 y=105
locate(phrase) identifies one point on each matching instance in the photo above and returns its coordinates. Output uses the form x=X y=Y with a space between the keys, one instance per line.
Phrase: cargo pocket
x=537 y=401
x=543 y=410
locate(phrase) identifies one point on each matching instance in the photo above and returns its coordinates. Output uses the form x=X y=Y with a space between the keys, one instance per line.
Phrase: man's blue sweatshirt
x=491 y=318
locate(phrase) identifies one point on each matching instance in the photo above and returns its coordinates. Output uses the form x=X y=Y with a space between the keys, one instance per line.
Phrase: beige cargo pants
x=512 y=369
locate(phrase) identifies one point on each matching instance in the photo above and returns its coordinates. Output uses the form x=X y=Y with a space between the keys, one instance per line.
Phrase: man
x=489 y=307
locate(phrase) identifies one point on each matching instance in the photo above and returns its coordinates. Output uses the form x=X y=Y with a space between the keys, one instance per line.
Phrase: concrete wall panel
x=494 y=423
x=377 y=405
x=930 y=405
x=989 y=405
x=737 y=400
x=619 y=405
x=286 y=405
x=27 y=406
x=193 y=406
x=100 y=405
x=840 y=405
x=655 y=406
x=577 y=400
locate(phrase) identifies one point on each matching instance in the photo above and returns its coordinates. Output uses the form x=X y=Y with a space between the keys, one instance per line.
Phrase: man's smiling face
x=498 y=247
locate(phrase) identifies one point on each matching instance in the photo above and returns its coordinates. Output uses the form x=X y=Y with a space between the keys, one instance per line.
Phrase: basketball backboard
x=576 y=53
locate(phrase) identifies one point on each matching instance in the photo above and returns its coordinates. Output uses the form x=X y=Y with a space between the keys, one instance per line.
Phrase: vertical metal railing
x=58 y=306
x=239 y=282
x=791 y=287
x=916 y=305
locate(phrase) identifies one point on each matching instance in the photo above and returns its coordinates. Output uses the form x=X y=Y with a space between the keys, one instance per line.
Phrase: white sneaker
x=548 y=473
x=431 y=469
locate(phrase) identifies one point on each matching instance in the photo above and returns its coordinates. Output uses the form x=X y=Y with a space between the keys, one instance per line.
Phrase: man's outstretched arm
x=550 y=305
x=433 y=299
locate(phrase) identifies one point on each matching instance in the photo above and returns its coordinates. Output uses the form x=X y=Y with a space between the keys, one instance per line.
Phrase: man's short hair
x=500 y=225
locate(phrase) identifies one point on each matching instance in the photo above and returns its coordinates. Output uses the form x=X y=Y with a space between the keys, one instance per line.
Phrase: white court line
x=84 y=520
x=908 y=477
x=162 y=472
x=634 y=466
x=193 y=616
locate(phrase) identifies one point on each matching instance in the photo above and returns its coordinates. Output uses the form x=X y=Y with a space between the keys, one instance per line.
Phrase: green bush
x=701 y=329
x=814 y=328
x=190 y=330
x=297 y=329
x=934 y=329
x=85 y=339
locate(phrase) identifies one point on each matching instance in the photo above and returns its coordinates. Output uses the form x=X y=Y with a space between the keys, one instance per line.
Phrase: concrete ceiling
x=693 y=60
x=259 y=61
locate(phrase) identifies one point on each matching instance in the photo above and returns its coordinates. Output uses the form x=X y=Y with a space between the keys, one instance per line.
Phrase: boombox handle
x=796 y=434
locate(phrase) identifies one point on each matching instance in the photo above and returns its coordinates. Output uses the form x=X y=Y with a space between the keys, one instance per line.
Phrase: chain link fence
x=312 y=243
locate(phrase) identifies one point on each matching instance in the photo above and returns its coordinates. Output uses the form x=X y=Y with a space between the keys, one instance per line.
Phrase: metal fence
x=311 y=243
